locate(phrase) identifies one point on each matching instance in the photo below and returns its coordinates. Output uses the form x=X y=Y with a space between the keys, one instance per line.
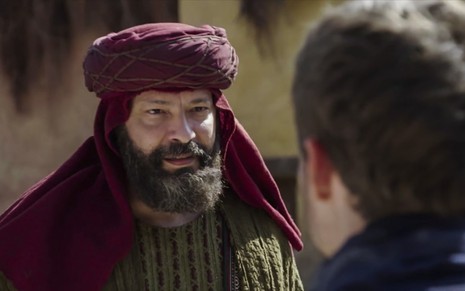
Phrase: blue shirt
x=402 y=253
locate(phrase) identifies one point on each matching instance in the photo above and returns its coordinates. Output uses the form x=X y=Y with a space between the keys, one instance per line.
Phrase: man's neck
x=159 y=218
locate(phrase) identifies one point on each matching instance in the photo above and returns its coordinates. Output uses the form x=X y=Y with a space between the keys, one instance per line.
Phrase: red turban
x=69 y=230
x=159 y=56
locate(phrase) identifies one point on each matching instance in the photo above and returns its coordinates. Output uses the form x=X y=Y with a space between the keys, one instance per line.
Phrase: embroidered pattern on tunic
x=188 y=257
x=261 y=258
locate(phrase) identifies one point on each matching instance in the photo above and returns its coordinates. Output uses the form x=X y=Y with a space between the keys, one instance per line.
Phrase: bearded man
x=169 y=194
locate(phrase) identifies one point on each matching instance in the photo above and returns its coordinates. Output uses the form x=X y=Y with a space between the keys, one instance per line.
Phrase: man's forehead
x=168 y=97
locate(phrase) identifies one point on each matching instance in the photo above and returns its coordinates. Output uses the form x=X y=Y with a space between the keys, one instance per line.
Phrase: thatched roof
x=38 y=33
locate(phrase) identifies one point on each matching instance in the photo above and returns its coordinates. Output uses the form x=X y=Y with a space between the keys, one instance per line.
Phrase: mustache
x=178 y=149
x=173 y=150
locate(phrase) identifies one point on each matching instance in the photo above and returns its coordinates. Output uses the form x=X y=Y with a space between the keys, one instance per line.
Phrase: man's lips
x=180 y=160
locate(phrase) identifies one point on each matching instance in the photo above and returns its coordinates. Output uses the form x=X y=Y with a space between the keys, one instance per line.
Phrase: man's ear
x=318 y=169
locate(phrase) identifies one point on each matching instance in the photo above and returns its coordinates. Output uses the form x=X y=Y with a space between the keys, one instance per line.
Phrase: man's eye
x=200 y=109
x=155 y=111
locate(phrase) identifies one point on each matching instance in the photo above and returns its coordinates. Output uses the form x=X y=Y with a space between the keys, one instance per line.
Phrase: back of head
x=381 y=85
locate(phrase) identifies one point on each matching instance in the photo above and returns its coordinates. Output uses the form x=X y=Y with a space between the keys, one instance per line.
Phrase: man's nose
x=181 y=130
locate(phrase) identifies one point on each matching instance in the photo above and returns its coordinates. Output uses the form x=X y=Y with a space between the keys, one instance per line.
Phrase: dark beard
x=185 y=190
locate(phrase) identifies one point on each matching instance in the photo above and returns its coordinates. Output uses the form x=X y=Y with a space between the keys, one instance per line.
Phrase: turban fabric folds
x=168 y=55
x=69 y=230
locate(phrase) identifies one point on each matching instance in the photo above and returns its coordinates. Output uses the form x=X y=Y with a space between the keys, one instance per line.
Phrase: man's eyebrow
x=201 y=100
x=158 y=101
x=167 y=102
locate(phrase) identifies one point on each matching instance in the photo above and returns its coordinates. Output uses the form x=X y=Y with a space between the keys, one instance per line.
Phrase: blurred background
x=46 y=112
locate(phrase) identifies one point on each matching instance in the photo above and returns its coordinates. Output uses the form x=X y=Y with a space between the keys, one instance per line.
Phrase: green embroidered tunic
x=188 y=257
x=191 y=257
